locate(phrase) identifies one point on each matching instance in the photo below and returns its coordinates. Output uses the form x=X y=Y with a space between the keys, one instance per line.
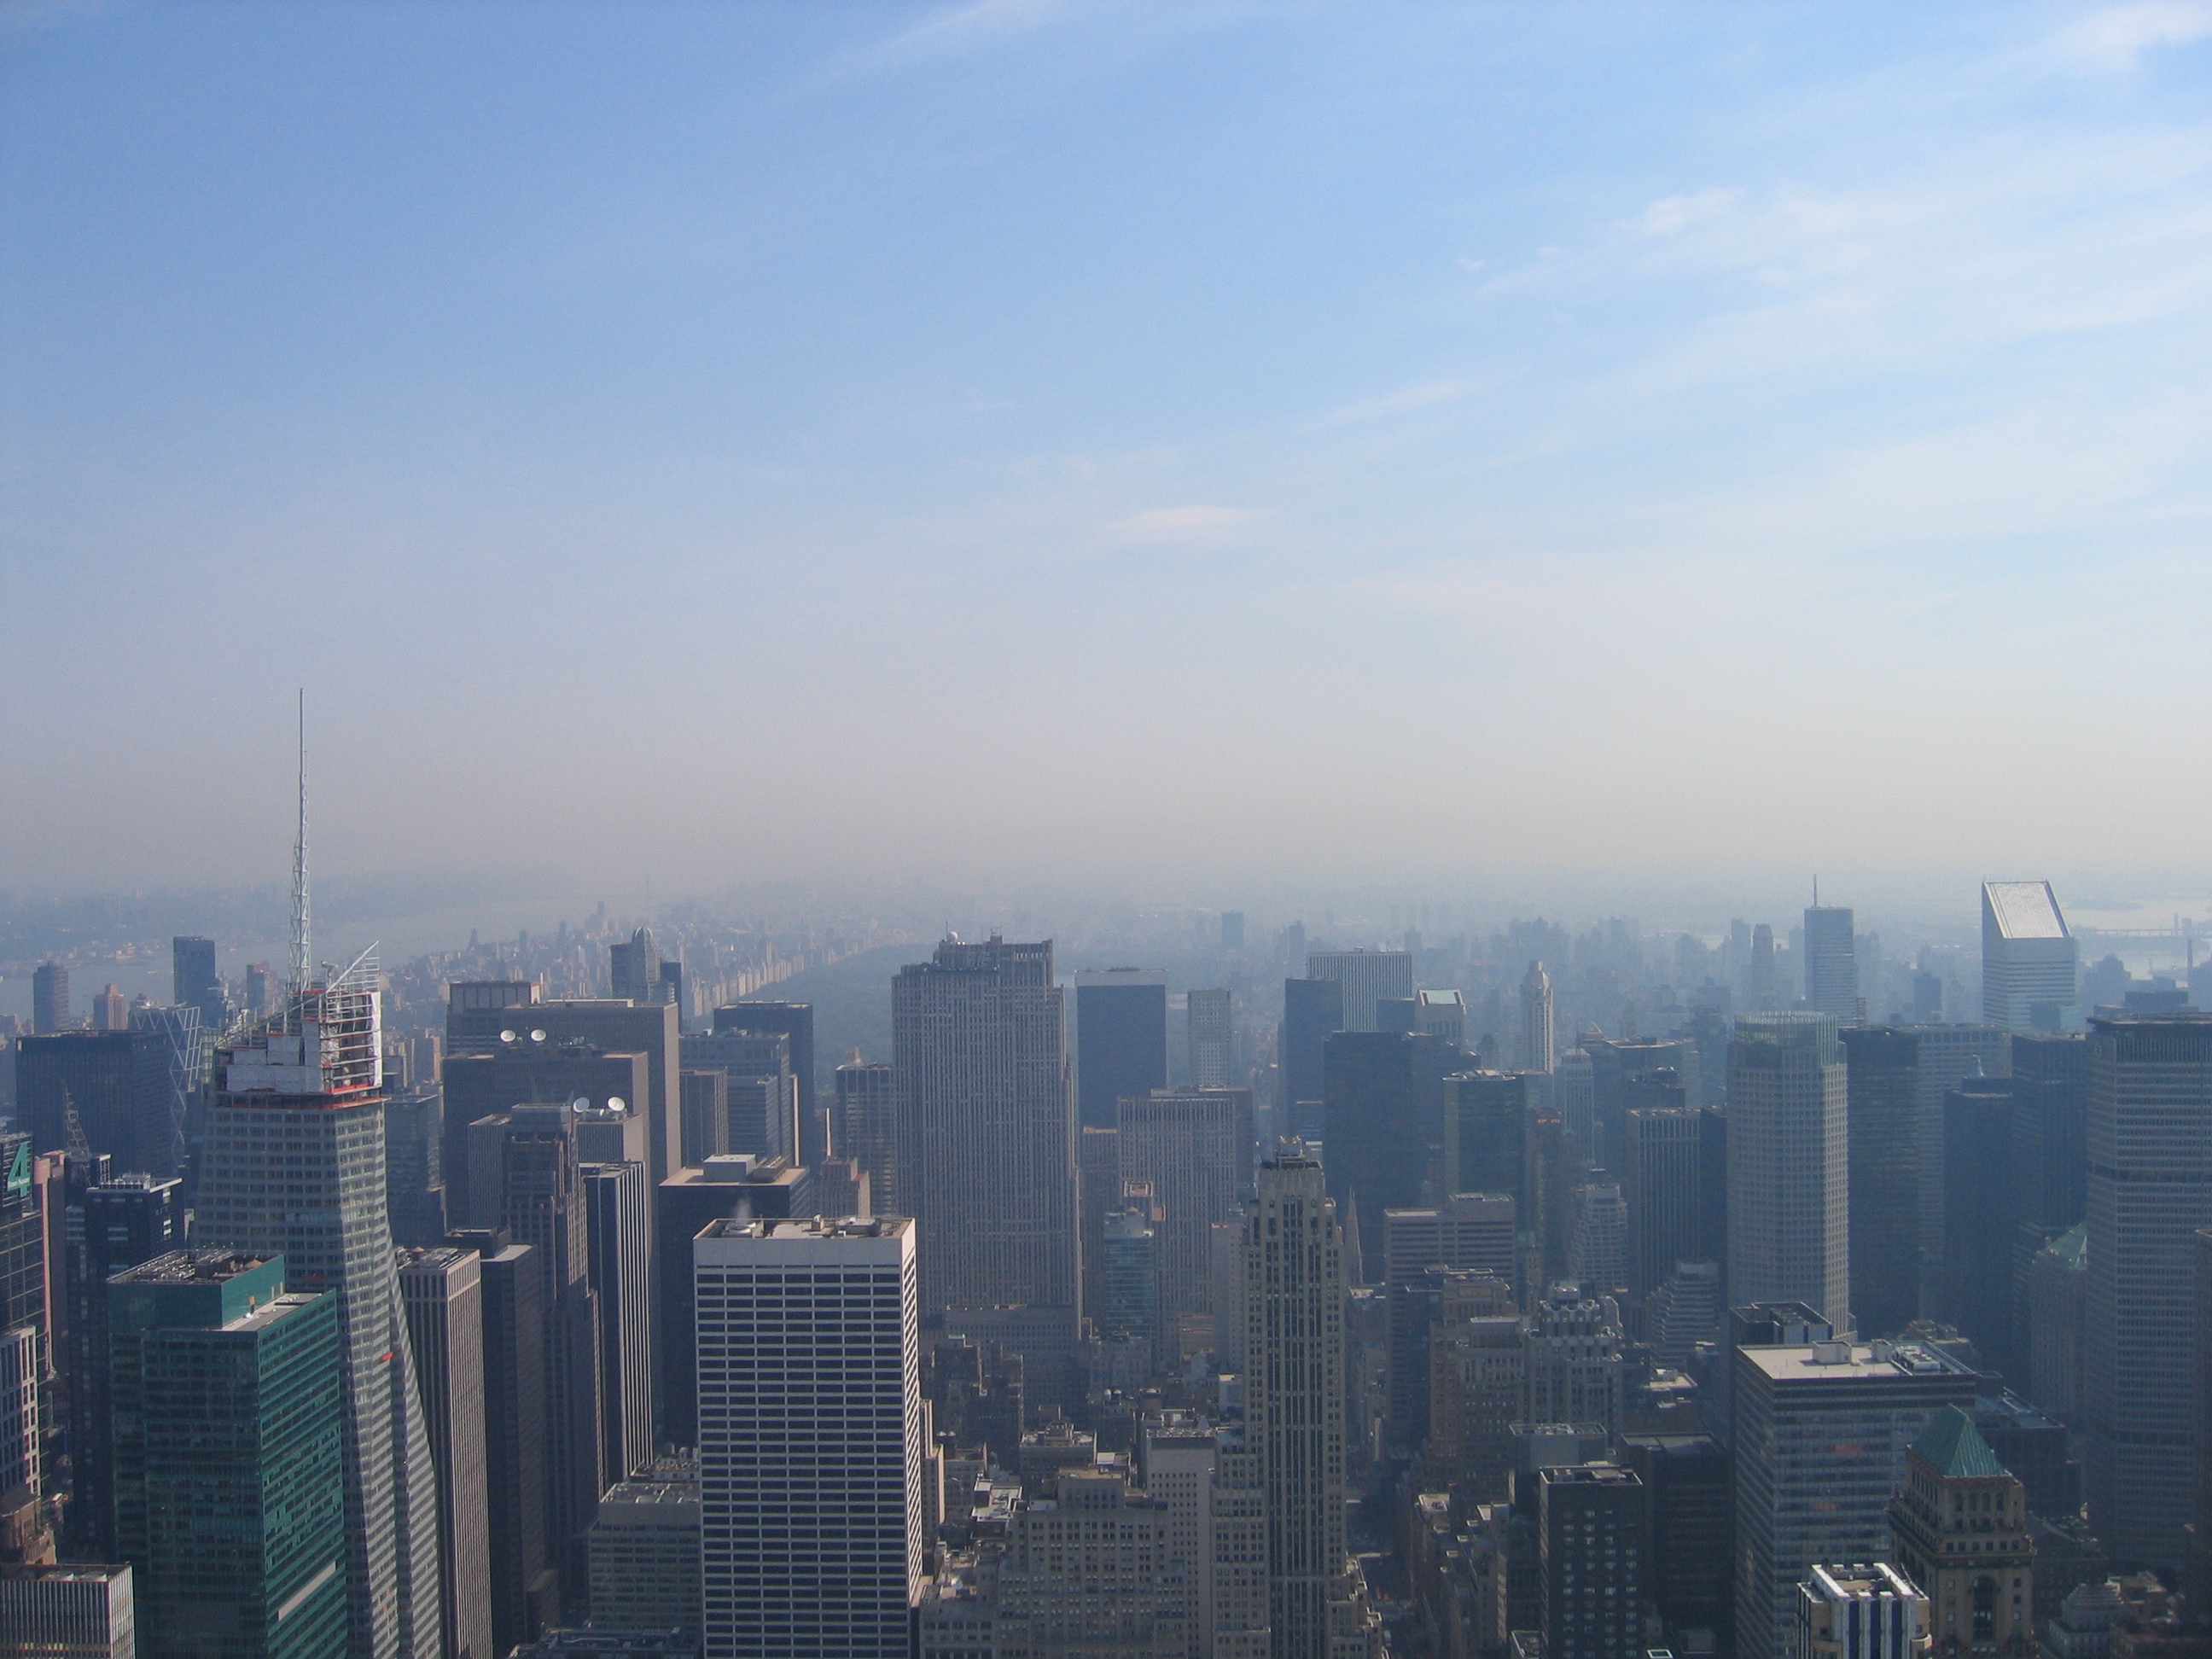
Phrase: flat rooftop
x=1840 y=1361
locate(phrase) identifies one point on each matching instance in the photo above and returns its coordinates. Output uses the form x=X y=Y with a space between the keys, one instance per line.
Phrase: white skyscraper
x=1789 y=1225
x=1536 y=1020
x=2028 y=956
x=810 y=1437
x=1367 y=976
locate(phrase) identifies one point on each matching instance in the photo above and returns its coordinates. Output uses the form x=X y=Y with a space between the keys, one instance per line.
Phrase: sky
x=682 y=445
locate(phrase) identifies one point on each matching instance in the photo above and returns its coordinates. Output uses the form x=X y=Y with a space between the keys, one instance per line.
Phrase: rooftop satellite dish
x=506 y=1036
x=580 y=1103
x=538 y=1036
x=615 y=1104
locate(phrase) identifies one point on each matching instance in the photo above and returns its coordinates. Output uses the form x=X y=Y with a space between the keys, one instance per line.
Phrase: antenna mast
x=301 y=934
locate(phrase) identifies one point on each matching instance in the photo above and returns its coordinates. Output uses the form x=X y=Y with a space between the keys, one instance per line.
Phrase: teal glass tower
x=229 y=1501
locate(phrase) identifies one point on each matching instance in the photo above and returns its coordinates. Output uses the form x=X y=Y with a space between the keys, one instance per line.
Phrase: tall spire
x=302 y=937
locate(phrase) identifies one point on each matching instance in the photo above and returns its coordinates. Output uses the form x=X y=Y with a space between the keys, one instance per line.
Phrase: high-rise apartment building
x=1120 y=1039
x=1367 y=977
x=1536 y=1050
x=1959 y=1530
x=1191 y=1148
x=1882 y=1078
x=865 y=1129
x=442 y=1291
x=1592 y=1526
x=2029 y=964
x=1313 y=1010
x=1294 y=1411
x=1831 y=963
x=986 y=1140
x=292 y=1163
x=810 y=1437
x=226 y=1406
x=2149 y=1190
x=1820 y=1433
x=50 y=998
x=1788 y=1164
x=1211 y=1031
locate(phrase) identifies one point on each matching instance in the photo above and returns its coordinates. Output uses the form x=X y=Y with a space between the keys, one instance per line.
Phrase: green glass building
x=229 y=1496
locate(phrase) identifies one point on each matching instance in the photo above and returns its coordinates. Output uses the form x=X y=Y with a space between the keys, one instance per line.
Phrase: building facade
x=1789 y=1222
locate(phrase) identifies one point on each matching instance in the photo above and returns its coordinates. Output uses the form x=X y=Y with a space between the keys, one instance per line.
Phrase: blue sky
x=1325 y=441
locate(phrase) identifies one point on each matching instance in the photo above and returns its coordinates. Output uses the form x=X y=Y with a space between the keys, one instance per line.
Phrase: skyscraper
x=1192 y=1149
x=634 y=967
x=1384 y=1096
x=1313 y=1009
x=228 y=1398
x=762 y=1090
x=2149 y=1190
x=1788 y=1164
x=442 y=1291
x=1536 y=1040
x=49 y=998
x=1882 y=1078
x=1959 y=1531
x=2028 y=956
x=193 y=982
x=621 y=1258
x=866 y=1130
x=795 y=1021
x=809 y=1441
x=1367 y=977
x=1120 y=1039
x=116 y=1082
x=1210 y=1029
x=986 y=1139
x=1670 y=1210
x=1831 y=963
x=293 y=1165
x=531 y=1068
x=1294 y=1411
x=1592 y=1524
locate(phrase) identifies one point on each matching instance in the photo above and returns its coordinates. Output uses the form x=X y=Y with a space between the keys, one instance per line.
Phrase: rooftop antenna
x=1816 y=884
x=302 y=936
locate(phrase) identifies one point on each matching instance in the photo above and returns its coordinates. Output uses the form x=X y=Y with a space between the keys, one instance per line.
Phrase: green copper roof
x=1955 y=1447
x=2071 y=1247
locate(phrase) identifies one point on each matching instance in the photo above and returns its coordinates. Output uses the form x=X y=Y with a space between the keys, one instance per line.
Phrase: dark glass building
x=1120 y=1039
x=1883 y=1084
x=794 y=1020
x=118 y=1083
x=1313 y=1009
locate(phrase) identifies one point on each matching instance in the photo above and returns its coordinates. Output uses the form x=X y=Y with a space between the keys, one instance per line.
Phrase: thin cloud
x=2117 y=37
x=1400 y=402
x=1195 y=523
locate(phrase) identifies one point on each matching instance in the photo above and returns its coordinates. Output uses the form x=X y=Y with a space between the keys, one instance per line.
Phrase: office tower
x=706 y=1106
x=1383 y=1094
x=865 y=1129
x=731 y=1186
x=414 y=1164
x=1441 y=1014
x=809 y=1438
x=112 y=1225
x=1882 y=1079
x=1536 y=1041
x=1979 y=1199
x=762 y=1090
x=75 y=1612
x=1129 y=1282
x=1366 y=977
x=1788 y=1164
x=1762 y=984
x=1627 y=1073
x=1866 y=1610
x=2048 y=1160
x=2057 y=1305
x=2149 y=1190
x=117 y=1084
x=292 y=1163
x=1097 y=1196
x=442 y=1291
x=1597 y=1237
x=1690 y=1542
x=2029 y=957
x=1831 y=963
x=110 y=1010
x=1959 y=1531
x=1120 y=1039
x=227 y=1399
x=25 y=1535
x=621 y=1270
x=1576 y=1370
x=531 y=1069
x=524 y=1591
x=1294 y=1412
x=1670 y=1212
x=644 y=1550
x=1478 y=1385
x=477 y=1010
x=193 y=981
x=1574 y=1094
x=1591 y=1519
x=1207 y=1014
x=528 y=1182
x=986 y=1154
x=1486 y=1133
x=634 y=968
x=669 y=987
x=2196 y=1544
x=50 y=998
x=1820 y=1431
x=1180 y=1459
x=1948 y=1055
x=793 y=1020
x=257 y=1000
x=1313 y=1009
x=1192 y=1149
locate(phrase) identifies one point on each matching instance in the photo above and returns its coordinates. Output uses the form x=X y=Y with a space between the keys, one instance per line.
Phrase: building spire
x=302 y=935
